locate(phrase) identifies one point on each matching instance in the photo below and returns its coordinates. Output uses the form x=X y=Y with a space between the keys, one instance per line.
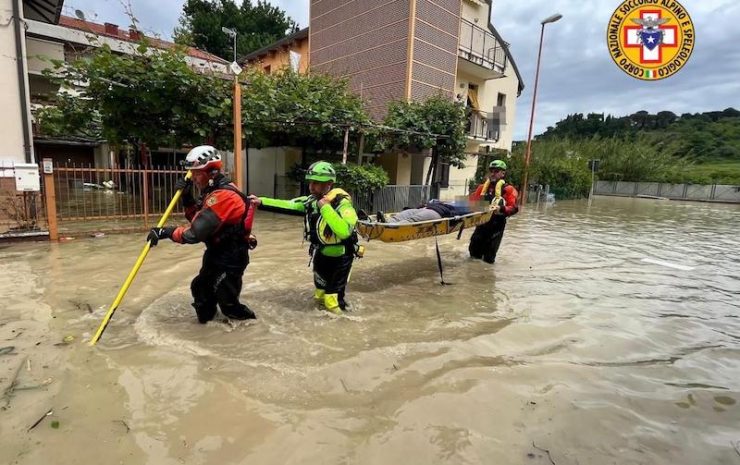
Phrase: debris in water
x=55 y=424
x=547 y=451
x=8 y=350
x=97 y=234
x=49 y=412
x=668 y=264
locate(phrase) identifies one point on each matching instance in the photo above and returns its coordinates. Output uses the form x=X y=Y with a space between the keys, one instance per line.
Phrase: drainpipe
x=21 y=60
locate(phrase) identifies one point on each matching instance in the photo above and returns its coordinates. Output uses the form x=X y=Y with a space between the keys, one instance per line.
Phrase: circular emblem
x=650 y=39
x=211 y=201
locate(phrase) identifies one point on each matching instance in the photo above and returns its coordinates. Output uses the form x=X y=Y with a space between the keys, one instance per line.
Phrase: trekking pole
x=135 y=269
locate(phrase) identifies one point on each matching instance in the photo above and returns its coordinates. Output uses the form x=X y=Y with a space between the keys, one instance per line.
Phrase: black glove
x=159 y=233
x=186 y=185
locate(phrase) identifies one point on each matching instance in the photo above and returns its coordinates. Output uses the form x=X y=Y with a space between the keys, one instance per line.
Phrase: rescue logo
x=650 y=39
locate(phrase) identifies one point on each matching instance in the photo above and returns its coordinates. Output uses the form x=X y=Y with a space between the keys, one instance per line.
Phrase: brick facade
x=368 y=42
x=436 y=34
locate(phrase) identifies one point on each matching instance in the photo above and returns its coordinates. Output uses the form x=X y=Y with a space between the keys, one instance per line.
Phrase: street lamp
x=231 y=33
x=549 y=19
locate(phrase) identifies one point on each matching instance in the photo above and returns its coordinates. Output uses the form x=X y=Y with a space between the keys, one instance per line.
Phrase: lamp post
x=549 y=19
x=238 y=176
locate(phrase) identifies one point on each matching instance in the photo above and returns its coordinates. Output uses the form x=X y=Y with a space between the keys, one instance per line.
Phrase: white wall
x=11 y=129
x=265 y=164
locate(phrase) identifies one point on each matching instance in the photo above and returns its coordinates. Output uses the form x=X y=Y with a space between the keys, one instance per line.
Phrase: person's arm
x=295 y=206
x=342 y=220
x=511 y=196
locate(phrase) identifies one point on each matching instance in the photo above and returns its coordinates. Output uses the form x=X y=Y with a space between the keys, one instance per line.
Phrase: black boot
x=205 y=312
x=238 y=312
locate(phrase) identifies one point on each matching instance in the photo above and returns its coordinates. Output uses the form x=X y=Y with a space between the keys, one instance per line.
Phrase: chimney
x=133 y=34
x=111 y=29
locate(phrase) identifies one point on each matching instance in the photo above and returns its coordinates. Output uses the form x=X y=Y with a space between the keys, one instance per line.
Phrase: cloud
x=578 y=76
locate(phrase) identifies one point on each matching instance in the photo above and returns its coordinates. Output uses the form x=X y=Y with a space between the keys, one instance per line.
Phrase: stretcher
x=370 y=229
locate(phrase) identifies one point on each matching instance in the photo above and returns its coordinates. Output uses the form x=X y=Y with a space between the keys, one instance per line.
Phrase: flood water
x=602 y=335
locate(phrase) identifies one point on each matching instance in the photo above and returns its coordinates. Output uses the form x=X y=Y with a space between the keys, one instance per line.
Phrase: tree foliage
x=701 y=136
x=287 y=108
x=361 y=179
x=152 y=97
x=257 y=25
x=436 y=115
x=563 y=164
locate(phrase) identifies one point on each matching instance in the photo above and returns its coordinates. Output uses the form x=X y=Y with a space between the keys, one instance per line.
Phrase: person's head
x=321 y=177
x=205 y=164
x=497 y=170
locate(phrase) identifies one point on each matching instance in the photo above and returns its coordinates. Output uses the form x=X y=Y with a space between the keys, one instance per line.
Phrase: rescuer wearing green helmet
x=329 y=225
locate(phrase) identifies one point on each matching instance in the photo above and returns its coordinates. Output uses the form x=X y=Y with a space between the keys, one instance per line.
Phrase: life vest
x=317 y=230
x=242 y=229
x=498 y=191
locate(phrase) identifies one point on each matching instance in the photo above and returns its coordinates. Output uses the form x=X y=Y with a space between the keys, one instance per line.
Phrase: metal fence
x=480 y=46
x=392 y=198
x=111 y=194
x=698 y=192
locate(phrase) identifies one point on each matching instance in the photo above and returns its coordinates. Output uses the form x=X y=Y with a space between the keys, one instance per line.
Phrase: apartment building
x=38 y=33
x=413 y=49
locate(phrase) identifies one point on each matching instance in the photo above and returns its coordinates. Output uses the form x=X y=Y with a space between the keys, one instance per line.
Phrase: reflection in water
x=580 y=339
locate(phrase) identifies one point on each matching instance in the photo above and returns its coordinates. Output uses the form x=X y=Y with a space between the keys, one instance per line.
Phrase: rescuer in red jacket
x=221 y=218
x=503 y=196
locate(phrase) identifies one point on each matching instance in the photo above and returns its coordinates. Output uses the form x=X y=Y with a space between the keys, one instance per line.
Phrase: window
x=501 y=100
x=444 y=175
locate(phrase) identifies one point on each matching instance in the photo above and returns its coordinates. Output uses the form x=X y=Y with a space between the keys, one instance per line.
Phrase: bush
x=361 y=179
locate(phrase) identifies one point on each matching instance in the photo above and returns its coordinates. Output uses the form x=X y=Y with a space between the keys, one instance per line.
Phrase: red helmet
x=203 y=157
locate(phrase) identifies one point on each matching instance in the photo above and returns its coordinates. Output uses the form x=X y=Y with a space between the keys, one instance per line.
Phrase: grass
x=719 y=171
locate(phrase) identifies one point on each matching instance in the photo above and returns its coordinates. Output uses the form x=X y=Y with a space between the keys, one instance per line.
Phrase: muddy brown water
x=607 y=334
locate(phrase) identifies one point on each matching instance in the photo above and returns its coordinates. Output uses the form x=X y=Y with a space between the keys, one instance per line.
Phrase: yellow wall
x=281 y=58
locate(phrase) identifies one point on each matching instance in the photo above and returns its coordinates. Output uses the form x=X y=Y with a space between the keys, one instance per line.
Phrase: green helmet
x=321 y=171
x=497 y=165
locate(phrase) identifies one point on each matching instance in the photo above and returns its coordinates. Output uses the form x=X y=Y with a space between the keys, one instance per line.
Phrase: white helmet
x=203 y=157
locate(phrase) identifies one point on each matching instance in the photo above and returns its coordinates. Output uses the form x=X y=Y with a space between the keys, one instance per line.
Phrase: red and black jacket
x=217 y=219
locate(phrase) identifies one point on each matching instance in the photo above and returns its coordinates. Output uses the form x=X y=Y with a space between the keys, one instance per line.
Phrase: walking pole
x=135 y=269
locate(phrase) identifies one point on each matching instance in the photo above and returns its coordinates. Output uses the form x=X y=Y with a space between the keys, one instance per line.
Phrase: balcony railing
x=486 y=126
x=479 y=46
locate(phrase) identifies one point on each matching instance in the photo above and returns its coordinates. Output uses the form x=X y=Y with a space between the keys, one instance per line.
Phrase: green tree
x=257 y=25
x=304 y=110
x=144 y=98
x=437 y=123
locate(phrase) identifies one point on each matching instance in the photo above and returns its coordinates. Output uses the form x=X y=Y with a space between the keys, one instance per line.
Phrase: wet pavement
x=607 y=334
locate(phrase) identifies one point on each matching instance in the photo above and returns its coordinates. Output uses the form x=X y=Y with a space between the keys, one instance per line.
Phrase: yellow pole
x=135 y=269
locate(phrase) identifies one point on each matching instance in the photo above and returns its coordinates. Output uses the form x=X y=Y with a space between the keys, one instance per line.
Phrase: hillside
x=709 y=142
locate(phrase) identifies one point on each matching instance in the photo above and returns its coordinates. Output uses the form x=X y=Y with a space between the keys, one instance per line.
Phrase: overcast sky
x=577 y=74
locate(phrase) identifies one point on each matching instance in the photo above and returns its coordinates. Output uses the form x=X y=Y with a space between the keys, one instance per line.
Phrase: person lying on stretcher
x=433 y=210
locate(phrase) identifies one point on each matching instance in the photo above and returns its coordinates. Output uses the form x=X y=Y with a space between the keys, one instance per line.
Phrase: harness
x=243 y=228
x=320 y=235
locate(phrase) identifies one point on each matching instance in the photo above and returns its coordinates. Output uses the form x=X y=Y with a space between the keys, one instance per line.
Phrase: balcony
x=479 y=52
x=484 y=126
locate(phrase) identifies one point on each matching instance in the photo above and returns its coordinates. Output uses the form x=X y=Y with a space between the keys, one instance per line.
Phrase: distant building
x=290 y=51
